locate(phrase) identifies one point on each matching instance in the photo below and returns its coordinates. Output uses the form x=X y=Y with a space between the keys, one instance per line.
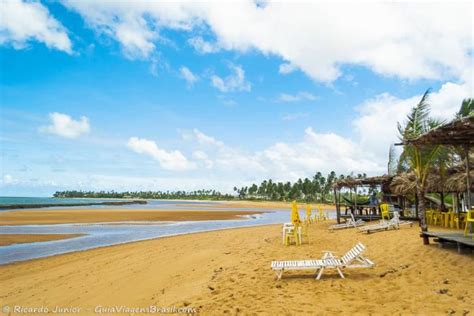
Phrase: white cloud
x=65 y=126
x=202 y=46
x=168 y=160
x=221 y=157
x=126 y=22
x=286 y=68
x=202 y=156
x=300 y=96
x=376 y=124
x=319 y=152
x=188 y=75
x=286 y=161
x=233 y=82
x=136 y=39
x=21 y=22
x=201 y=138
x=406 y=40
x=8 y=179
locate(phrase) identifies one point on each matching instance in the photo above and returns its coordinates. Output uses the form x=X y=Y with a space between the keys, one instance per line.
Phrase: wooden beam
x=468 y=180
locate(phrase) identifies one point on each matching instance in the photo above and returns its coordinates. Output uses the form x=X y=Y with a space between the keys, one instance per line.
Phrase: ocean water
x=14 y=200
x=51 y=201
x=107 y=234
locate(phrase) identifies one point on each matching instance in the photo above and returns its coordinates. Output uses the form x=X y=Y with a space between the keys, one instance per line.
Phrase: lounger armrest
x=369 y=262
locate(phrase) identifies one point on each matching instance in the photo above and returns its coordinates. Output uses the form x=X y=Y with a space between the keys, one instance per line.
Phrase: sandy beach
x=67 y=216
x=229 y=272
x=10 y=239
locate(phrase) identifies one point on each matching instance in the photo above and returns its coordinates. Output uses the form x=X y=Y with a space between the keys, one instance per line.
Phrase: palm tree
x=419 y=159
x=467 y=108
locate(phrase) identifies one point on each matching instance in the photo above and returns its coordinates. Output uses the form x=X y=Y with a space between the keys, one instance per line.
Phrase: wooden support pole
x=355 y=200
x=468 y=180
x=416 y=206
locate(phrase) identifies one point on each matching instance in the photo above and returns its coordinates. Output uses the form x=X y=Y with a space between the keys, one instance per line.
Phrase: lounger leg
x=340 y=272
x=320 y=274
x=279 y=273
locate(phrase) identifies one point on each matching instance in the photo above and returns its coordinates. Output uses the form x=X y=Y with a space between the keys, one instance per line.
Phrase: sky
x=147 y=95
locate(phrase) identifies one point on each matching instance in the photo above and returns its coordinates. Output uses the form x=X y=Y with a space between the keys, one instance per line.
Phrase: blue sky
x=184 y=96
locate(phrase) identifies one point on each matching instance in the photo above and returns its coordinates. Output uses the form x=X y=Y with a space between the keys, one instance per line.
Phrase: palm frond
x=417 y=120
x=392 y=161
x=467 y=108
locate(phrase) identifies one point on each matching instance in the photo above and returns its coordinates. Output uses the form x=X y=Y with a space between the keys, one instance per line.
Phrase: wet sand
x=10 y=239
x=67 y=216
x=262 y=204
x=229 y=272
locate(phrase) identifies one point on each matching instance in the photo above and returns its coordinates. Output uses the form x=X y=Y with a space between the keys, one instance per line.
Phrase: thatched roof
x=455 y=133
x=455 y=181
x=403 y=183
x=355 y=182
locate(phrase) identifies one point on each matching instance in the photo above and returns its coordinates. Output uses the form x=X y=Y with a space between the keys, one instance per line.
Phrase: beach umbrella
x=295 y=216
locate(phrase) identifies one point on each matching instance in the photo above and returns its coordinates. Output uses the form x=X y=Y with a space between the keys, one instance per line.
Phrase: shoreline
x=125 y=243
x=226 y=271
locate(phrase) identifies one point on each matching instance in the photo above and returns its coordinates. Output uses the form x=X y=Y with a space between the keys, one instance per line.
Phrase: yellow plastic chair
x=288 y=238
x=385 y=211
x=437 y=218
x=429 y=216
x=321 y=215
x=453 y=220
x=445 y=219
x=292 y=232
x=469 y=222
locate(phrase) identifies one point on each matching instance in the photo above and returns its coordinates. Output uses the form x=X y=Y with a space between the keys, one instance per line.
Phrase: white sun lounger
x=382 y=225
x=352 y=259
x=393 y=223
x=350 y=223
x=396 y=220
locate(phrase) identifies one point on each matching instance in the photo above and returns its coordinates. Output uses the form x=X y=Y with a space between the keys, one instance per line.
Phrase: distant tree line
x=316 y=189
x=168 y=195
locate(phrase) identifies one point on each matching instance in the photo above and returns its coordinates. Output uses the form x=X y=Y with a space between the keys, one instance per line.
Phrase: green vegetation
x=317 y=189
x=419 y=159
x=168 y=195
